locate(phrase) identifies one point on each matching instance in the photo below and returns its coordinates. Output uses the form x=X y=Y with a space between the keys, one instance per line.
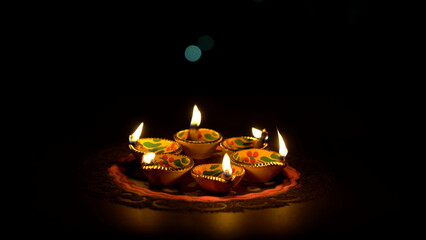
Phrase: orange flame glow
x=226 y=165
x=256 y=132
x=283 y=149
x=147 y=157
x=137 y=134
x=196 y=117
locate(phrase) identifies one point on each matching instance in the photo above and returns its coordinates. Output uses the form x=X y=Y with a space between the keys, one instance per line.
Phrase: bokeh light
x=192 y=53
x=205 y=43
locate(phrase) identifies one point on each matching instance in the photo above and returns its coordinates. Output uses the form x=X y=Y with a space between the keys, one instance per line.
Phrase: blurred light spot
x=192 y=53
x=205 y=42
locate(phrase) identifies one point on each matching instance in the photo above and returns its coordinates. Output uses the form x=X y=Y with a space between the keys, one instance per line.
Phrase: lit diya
x=165 y=169
x=218 y=178
x=261 y=165
x=139 y=146
x=233 y=144
x=198 y=143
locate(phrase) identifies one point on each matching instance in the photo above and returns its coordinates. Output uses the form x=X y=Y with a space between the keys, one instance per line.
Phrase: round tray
x=113 y=174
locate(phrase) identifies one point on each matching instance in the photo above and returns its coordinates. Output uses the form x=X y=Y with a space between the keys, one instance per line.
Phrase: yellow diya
x=233 y=144
x=198 y=143
x=139 y=146
x=203 y=147
x=155 y=145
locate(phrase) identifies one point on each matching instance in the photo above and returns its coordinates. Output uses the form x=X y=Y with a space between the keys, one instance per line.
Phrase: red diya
x=165 y=169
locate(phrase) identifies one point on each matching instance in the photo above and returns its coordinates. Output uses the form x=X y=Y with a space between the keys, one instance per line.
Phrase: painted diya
x=231 y=145
x=212 y=179
x=203 y=147
x=165 y=169
x=155 y=145
x=261 y=165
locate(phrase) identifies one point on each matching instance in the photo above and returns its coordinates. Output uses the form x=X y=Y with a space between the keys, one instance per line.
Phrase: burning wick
x=283 y=149
x=226 y=166
x=147 y=158
x=227 y=175
x=195 y=123
x=261 y=135
x=133 y=138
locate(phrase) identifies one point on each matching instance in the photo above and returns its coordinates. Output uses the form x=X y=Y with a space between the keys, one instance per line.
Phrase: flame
x=256 y=132
x=283 y=149
x=147 y=157
x=226 y=164
x=136 y=135
x=196 y=117
x=262 y=135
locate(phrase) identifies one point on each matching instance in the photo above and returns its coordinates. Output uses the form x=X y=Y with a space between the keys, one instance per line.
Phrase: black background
x=346 y=42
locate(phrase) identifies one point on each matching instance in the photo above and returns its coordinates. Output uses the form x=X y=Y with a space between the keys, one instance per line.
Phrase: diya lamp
x=233 y=144
x=198 y=143
x=165 y=169
x=218 y=178
x=139 y=146
x=261 y=165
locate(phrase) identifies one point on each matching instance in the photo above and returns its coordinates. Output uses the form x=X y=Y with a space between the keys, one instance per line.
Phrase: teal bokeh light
x=192 y=53
x=205 y=43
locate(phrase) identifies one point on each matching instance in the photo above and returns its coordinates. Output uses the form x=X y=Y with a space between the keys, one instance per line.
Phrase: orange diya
x=198 y=143
x=165 y=169
x=218 y=178
x=139 y=146
x=261 y=165
x=233 y=144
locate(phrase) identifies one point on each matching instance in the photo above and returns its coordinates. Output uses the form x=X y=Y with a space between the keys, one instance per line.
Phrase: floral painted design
x=251 y=157
x=171 y=161
x=157 y=145
x=238 y=143
x=256 y=156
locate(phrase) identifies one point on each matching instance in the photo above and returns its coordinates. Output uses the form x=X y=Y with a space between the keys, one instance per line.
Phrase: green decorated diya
x=231 y=145
x=201 y=148
x=155 y=145
x=261 y=165
x=211 y=178
x=166 y=169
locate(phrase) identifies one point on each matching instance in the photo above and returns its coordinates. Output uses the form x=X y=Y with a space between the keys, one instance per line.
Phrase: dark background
x=347 y=42
x=123 y=64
